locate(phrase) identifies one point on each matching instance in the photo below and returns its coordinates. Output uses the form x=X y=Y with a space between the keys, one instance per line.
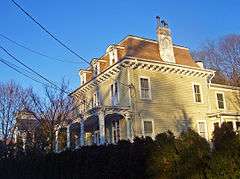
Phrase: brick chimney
x=165 y=41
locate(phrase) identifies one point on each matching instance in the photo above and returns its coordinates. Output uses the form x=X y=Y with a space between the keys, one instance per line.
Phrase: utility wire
x=38 y=74
x=53 y=36
x=48 y=32
x=14 y=67
x=36 y=52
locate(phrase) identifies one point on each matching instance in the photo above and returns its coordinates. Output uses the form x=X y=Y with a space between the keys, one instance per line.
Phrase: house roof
x=149 y=49
x=144 y=48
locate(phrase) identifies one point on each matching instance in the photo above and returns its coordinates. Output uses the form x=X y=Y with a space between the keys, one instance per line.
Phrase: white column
x=15 y=135
x=24 y=139
x=82 y=132
x=234 y=125
x=129 y=127
x=101 y=123
x=68 y=137
x=56 y=141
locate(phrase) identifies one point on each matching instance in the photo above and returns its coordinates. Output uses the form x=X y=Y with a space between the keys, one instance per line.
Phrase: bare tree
x=222 y=55
x=12 y=99
x=54 y=111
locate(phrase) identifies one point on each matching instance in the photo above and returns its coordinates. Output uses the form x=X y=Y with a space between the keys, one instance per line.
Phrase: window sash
x=145 y=88
x=114 y=93
x=220 y=100
x=202 y=129
x=96 y=99
x=115 y=132
x=197 y=93
x=148 y=128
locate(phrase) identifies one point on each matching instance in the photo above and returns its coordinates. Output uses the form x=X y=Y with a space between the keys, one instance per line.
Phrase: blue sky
x=88 y=27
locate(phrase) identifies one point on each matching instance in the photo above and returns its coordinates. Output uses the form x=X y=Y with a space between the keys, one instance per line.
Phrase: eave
x=147 y=64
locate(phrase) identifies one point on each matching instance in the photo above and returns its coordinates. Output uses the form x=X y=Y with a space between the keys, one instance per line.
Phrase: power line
x=10 y=65
x=48 y=32
x=53 y=36
x=38 y=74
x=15 y=68
x=36 y=52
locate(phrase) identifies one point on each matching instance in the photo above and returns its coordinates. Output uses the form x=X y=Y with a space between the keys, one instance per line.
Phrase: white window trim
x=150 y=89
x=113 y=55
x=96 y=136
x=201 y=93
x=206 y=128
x=112 y=141
x=83 y=78
x=96 y=66
x=96 y=101
x=224 y=102
x=118 y=95
x=153 y=127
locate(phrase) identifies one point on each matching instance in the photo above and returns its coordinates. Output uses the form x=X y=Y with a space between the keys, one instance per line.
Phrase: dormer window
x=96 y=69
x=83 y=78
x=113 y=55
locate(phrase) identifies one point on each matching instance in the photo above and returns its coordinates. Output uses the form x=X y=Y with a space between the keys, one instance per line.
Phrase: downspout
x=210 y=79
x=131 y=100
x=209 y=84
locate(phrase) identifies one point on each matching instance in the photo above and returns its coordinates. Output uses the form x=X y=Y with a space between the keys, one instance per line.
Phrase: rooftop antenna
x=158 y=21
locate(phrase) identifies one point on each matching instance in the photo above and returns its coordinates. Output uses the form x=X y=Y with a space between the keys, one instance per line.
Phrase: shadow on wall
x=235 y=101
x=167 y=106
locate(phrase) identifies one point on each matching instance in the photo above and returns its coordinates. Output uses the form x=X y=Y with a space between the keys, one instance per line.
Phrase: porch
x=97 y=127
x=107 y=125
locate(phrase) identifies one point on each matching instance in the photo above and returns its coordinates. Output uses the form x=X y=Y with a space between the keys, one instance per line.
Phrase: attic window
x=83 y=78
x=113 y=56
x=96 y=69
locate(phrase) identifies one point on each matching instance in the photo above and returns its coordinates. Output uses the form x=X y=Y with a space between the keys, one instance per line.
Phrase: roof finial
x=164 y=23
x=158 y=21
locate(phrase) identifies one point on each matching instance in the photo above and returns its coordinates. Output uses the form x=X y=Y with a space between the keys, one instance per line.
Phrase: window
x=113 y=56
x=83 y=78
x=96 y=138
x=96 y=69
x=202 y=129
x=197 y=93
x=238 y=126
x=220 y=100
x=115 y=132
x=95 y=99
x=115 y=93
x=145 y=92
x=148 y=128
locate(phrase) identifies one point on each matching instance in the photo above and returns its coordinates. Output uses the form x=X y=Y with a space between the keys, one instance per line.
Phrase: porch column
x=101 y=122
x=24 y=139
x=234 y=125
x=82 y=132
x=129 y=127
x=68 y=137
x=15 y=135
x=56 y=141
